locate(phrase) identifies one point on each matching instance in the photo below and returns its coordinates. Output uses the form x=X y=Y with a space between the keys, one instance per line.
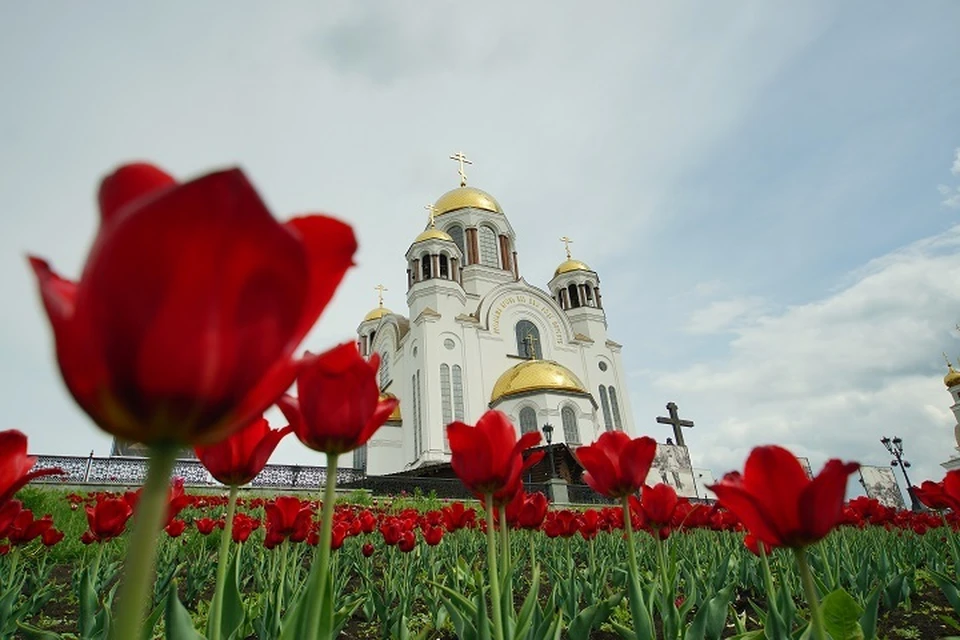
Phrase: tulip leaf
x=177 y=620
x=232 y=613
x=593 y=616
x=868 y=621
x=841 y=616
x=949 y=589
x=35 y=633
x=711 y=618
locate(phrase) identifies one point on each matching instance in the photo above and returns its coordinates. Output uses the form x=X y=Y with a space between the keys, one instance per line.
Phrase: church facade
x=952 y=382
x=477 y=335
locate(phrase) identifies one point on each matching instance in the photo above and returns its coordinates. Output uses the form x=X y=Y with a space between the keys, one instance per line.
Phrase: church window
x=605 y=404
x=602 y=365
x=571 y=432
x=360 y=458
x=456 y=232
x=426 y=263
x=528 y=340
x=444 y=266
x=574 y=296
x=384 y=370
x=528 y=420
x=445 y=394
x=588 y=295
x=615 y=409
x=489 y=254
x=417 y=424
x=457 y=392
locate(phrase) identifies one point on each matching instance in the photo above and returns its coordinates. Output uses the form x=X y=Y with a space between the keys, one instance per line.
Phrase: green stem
x=494 y=575
x=14 y=561
x=142 y=553
x=321 y=558
x=768 y=582
x=636 y=595
x=281 y=586
x=95 y=569
x=810 y=591
x=505 y=551
x=216 y=607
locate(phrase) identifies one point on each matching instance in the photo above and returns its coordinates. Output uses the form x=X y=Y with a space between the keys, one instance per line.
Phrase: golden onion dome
x=433 y=234
x=463 y=197
x=571 y=265
x=377 y=313
x=952 y=378
x=536 y=375
x=395 y=414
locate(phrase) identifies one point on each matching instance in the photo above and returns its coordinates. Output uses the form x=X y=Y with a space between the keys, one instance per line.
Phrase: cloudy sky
x=769 y=191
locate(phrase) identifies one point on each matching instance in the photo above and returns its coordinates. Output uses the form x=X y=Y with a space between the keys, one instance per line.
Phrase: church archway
x=528 y=340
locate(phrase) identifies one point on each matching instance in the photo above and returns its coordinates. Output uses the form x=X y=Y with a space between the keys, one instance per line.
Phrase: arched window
x=588 y=294
x=605 y=405
x=444 y=267
x=426 y=264
x=456 y=232
x=528 y=336
x=384 y=369
x=445 y=395
x=457 y=393
x=489 y=254
x=528 y=420
x=574 y=295
x=571 y=432
x=615 y=409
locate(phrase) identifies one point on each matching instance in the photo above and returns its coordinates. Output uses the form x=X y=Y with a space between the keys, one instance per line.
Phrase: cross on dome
x=566 y=244
x=462 y=160
x=432 y=212
x=380 y=289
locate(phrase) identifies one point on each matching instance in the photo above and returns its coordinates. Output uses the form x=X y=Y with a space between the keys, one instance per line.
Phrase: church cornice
x=427 y=315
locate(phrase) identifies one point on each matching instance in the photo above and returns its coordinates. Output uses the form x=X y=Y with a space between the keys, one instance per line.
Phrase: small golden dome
x=433 y=234
x=463 y=197
x=536 y=375
x=952 y=378
x=571 y=265
x=395 y=414
x=377 y=313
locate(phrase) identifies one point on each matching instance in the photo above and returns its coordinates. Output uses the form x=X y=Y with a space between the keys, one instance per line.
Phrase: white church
x=476 y=335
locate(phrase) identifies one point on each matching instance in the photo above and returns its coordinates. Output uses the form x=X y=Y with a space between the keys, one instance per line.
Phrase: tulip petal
x=601 y=475
x=775 y=478
x=635 y=459
x=821 y=503
x=736 y=499
x=127 y=185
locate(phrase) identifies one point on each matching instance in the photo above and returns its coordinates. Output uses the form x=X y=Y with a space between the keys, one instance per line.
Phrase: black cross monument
x=675 y=421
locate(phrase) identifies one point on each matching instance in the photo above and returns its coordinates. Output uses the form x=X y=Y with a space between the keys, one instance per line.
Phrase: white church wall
x=385 y=450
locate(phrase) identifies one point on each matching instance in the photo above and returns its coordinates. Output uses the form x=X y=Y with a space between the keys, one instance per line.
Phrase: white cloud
x=830 y=377
x=955 y=169
x=724 y=315
x=951 y=195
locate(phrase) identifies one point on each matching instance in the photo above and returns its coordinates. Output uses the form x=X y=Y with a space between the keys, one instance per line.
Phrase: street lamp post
x=895 y=448
x=548 y=436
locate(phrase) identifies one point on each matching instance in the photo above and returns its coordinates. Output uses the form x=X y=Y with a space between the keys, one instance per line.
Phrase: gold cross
x=432 y=212
x=462 y=159
x=380 y=289
x=566 y=244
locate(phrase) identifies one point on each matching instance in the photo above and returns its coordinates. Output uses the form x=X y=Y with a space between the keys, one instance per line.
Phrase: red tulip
x=243 y=455
x=107 y=519
x=339 y=406
x=941 y=495
x=407 y=542
x=243 y=526
x=433 y=535
x=778 y=503
x=25 y=529
x=754 y=545
x=367 y=550
x=289 y=517
x=527 y=510
x=488 y=458
x=175 y=527
x=205 y=526
x=192 y=301
x=616 y=465
x=51 y=537
x=456 y=516
x=15 y=464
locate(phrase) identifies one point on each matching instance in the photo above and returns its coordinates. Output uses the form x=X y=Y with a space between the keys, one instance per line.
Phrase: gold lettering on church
x=533 y=303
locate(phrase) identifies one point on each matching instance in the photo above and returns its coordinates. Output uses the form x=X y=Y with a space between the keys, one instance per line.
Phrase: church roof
x=535 y=375
x=376 y=313
x=433 y=234
x=952 y=378
x=571 y=265
x=463 y=197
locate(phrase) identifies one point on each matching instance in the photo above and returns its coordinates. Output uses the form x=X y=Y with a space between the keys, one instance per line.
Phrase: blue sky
x=765 y=188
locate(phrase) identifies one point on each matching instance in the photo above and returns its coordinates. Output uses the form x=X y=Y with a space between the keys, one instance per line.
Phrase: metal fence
x=132 y=472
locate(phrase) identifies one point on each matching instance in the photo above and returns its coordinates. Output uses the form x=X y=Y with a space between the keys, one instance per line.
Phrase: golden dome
x=571 y=265
x=463 y=197
x=395 y=414
x=952 y=378
x=535 y=375
x=377 y=313
x=433 y=234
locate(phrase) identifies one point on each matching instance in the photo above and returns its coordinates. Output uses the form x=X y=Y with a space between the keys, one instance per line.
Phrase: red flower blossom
x=754 y=545
x=205 y=526
x=488 y=458
x=192 y=301
x=339 y=406
x=941 y=495
x=25 y=529
x=289 y=517
x=243 y=455
x=616 y=465
x=107 y=519
x=15 y=464
x=527 y=510
x=243 y=526
x=778 y=503
x=456 y=516
x=175 y=527
x=367 y=550
x=51 y=537
x=8 y=513
x=656 y=507
x=433 y=535
x=407 y=542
